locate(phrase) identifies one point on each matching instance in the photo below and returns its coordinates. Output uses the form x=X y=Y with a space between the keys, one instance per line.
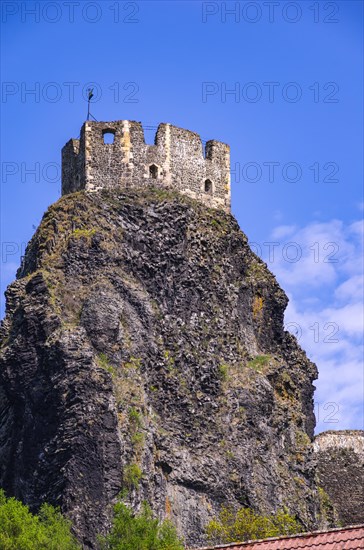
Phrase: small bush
x=132 y=476
x=139 y=532
x=135 y=417
x=259 y=362
x=133 y=363
x=223 y=372
x=138 y=439
x=21 y=530
x=103 y=362
x=245 y=524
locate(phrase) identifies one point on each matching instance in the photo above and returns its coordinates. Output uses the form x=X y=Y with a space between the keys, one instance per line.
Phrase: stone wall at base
x=340 y=470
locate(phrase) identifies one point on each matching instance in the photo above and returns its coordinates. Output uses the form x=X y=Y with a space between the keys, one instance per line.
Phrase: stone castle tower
x=111 y=154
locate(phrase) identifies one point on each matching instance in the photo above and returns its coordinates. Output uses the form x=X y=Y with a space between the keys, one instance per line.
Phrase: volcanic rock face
x=340 y=471
x=143 y=351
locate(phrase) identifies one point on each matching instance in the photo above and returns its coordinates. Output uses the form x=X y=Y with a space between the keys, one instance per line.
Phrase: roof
x=348 y=538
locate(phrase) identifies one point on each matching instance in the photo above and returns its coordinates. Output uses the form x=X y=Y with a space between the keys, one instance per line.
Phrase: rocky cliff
x=340 y=472
x=143 y=351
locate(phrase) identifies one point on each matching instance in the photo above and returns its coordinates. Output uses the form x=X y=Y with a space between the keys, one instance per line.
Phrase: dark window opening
x=208 y=187
x=109 y=137
x=153 y=171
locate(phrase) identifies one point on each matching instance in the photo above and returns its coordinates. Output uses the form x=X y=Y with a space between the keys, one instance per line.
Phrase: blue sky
x=281 y=82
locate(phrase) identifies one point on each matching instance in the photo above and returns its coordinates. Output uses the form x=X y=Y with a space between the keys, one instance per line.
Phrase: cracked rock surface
x=143 y=351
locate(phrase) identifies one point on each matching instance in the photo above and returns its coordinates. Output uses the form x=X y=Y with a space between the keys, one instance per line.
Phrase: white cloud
x=351 y=289
x=283 y=231
x=325 y=312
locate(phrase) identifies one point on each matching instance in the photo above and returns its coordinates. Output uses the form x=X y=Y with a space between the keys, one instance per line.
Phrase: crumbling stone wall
x=176 y=160
x=340 y=471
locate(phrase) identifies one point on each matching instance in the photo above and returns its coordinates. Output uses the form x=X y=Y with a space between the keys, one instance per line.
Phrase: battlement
x=112 y=154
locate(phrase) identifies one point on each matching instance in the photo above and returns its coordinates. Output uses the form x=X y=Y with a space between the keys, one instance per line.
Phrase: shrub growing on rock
x=142 y=531
x=19 y=528
x=245 y=524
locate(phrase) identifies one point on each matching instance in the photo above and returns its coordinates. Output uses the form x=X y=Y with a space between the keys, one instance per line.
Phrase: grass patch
x=258 y=362
x=133 y=363
x=137 y=441
x=103 y=362
x=86 y=233
x=132 y=476
x=223 y=372
x=135 y=417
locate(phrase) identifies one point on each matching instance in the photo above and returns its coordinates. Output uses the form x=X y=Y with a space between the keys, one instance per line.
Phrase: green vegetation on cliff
x=20 y=529
x=140 y=531
x=245 y=524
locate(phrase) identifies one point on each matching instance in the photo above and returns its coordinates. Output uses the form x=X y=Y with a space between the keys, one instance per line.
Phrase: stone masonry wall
x=176 y=160
x=340 y=471
x=344 y=439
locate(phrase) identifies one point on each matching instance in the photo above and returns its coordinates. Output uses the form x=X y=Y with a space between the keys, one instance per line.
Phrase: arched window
x=153 y=171
x=208 y=187
x=109 y=137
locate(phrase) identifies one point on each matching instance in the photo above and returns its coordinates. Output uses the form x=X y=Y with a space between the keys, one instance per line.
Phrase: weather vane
x=90 y=95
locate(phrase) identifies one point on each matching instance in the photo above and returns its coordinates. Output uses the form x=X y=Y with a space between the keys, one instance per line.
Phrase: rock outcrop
x=143 y=351
x=340 y=471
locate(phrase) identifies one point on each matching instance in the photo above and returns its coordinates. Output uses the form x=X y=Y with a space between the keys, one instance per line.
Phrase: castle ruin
x=113 y=154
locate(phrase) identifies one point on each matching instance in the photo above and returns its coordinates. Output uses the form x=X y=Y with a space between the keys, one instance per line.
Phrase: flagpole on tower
x=90 y=95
